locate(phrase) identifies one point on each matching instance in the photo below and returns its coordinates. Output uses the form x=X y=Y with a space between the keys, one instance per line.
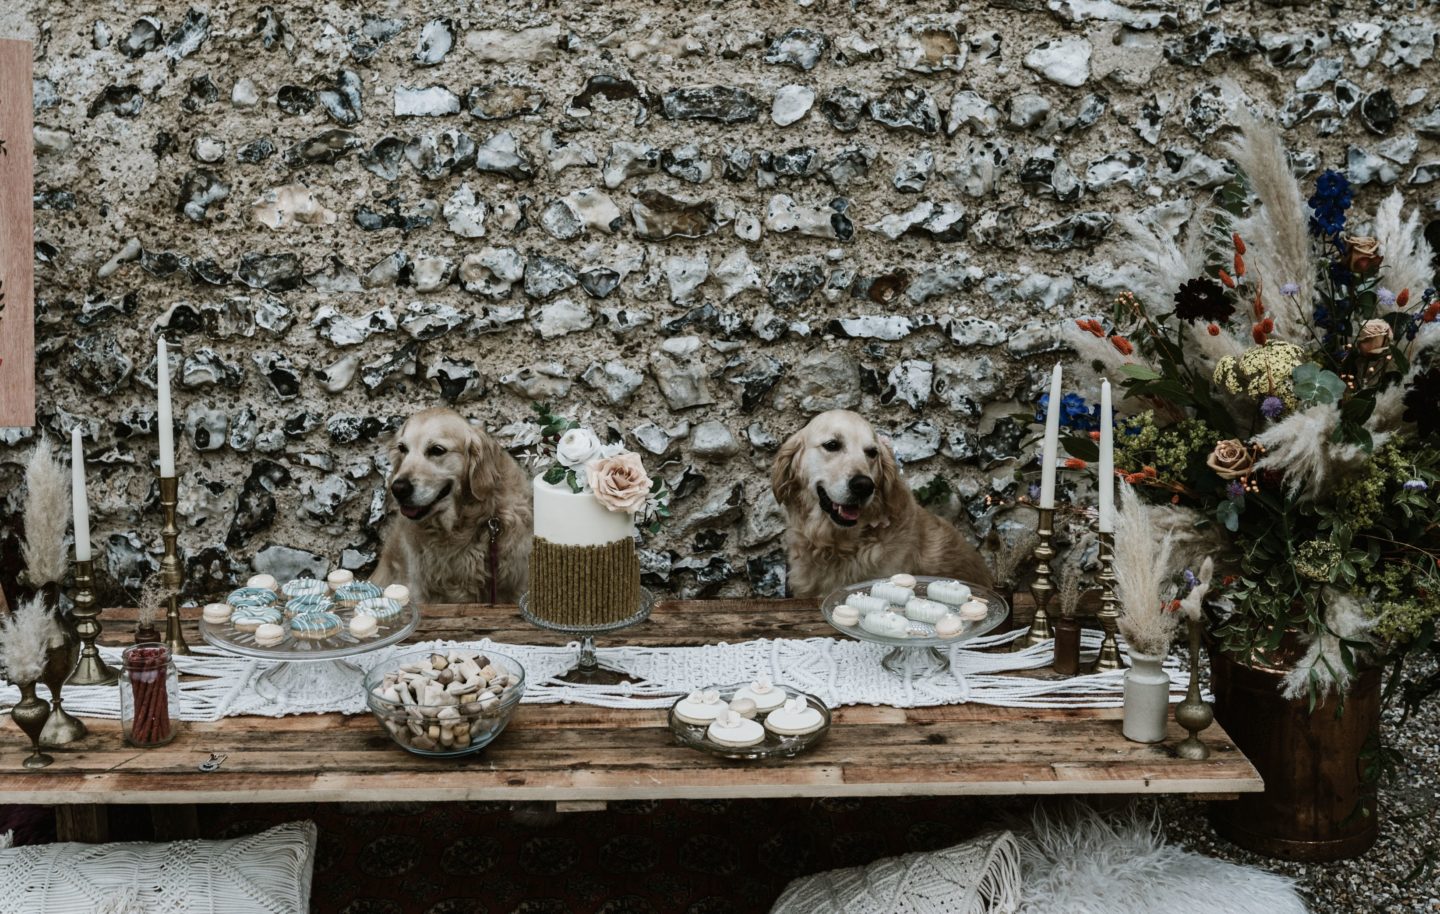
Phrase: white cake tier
x=568 y=518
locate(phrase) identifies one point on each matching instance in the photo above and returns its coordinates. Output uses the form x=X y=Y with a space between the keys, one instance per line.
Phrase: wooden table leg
x=174 y=822
x=85 y=822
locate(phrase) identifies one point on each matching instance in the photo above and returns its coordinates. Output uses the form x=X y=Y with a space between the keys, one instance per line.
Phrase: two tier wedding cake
x=584 y=570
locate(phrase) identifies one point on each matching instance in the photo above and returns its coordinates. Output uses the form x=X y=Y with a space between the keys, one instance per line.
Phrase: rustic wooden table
x=577 y=755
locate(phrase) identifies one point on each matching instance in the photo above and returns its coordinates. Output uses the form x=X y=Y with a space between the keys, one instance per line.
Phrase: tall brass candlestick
x=1041 y=589
x=170 y=573
x=92 y=669
x=1109 y=607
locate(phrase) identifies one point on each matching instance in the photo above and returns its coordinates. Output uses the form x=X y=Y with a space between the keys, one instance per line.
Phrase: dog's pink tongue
x=849 y=512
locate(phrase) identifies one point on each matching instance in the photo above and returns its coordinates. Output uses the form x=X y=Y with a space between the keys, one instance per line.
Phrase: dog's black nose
x=403 y=488
x=861 y=487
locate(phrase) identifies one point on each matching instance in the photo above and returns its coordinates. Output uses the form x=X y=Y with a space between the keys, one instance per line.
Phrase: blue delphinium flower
x=1272 y=407
x=1190 y=579
x=1074 y=412
x=1235 y=489
x=1328 y=204
x=1034 y=491
x=1290 y=288
x=1415 y=485
x=1385 y=297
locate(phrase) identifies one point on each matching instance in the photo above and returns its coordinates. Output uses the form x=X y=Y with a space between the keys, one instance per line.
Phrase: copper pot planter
x=1317 y=805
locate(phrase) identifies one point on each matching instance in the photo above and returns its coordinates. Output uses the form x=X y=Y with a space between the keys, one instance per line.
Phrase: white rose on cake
x=620 y=482
x=578 y=447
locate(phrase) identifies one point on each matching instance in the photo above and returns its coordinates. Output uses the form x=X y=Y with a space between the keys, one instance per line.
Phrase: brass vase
x=60 y=659
x=1193 y=713
x=30 y=714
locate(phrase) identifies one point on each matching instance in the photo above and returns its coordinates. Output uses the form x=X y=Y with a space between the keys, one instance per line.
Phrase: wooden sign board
x=17 y=237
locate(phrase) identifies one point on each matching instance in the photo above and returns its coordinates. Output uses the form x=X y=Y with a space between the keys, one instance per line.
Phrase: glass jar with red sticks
x=149 y=695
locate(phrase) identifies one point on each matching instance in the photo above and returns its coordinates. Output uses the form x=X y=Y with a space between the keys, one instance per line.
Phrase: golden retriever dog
x=851 y=517
x=455 y=488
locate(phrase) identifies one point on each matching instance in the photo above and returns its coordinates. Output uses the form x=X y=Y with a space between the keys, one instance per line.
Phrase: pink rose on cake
x=578 y=447
x=620 y=483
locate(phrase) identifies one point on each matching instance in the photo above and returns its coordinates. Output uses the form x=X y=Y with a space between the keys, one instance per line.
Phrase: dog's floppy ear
x=785 y=477
x=893 y=489
x=482 y=465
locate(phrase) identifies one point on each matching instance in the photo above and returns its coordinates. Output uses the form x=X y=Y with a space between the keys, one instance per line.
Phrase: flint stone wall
x=699 y=223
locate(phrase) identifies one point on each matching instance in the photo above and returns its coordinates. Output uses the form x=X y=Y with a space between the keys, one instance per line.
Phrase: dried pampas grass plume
x=25 y=636
x=1299 y=446
x=46 y=509
x=1408 y=260
x=1011 y=555
x=1323 y=668
x=1070 y=576
x=1279 y=226
x=150 y=603
x=1142 y=567
x=1194 y=601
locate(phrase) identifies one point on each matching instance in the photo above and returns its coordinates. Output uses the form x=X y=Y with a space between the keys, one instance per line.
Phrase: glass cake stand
x=775 y=745
x=588 y=669
x=918 y=655
x=309 y=668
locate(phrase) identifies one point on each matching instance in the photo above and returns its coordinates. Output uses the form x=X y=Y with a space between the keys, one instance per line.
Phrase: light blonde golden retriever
x=455 y=487
x=851 y=517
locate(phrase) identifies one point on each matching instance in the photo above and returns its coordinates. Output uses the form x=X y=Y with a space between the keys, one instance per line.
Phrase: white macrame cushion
x=978 y=877
x=266 y=873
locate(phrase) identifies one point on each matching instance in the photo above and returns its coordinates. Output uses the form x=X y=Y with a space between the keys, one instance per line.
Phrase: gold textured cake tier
x=584 y=585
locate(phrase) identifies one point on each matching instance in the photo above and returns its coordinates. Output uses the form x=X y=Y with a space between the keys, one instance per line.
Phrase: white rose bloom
x=577 y=447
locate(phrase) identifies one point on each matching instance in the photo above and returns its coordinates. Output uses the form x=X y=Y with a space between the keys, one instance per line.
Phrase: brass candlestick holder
x=92 y=668
x=1109 y=607
x=1194 y=714
x=1041 y=589
x=170 y=572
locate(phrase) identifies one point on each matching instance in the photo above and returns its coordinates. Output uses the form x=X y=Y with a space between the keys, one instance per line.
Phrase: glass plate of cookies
x=750 y=721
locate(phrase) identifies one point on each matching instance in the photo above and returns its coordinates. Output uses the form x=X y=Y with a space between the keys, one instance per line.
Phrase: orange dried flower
x=1075 y=463
x=1267 y=325
x=1092 y=326
x=1402 y=299
x=1431 y=312
x=1239 y=265
x=1122 y=345
x=1094 y=436
x=1258 y=335
x=1174 y=499
x=1239 y=242
x=1213 y=329
x=1227 y=279
x=1149 y=471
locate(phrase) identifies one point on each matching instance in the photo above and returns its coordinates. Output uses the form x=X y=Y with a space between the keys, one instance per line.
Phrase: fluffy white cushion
x=269 y=872
x=977 y=877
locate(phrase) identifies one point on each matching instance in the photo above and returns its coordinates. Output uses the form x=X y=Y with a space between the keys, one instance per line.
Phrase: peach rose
x=1375 y=336
x=620 y=483
x=1231 y=459
x=1362 y=253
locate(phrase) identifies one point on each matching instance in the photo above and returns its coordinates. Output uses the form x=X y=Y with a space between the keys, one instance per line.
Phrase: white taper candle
x=1050 y=454
x=1106 y=481
x=79 y=500
x=165 y=420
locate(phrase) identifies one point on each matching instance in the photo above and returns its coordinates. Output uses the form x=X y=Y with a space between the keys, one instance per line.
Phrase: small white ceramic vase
x=1147 y=699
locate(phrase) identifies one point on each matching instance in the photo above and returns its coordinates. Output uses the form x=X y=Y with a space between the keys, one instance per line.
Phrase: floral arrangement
x=615 y=476
x=1282 y=390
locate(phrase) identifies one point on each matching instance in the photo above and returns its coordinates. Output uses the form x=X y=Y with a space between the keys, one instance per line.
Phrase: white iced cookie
x=363 y=626
x=974 y=610
x=216 y=613
x=734 y=731
x=339 y=578
x=845 y=615
x=269 y=635
x=700 y=707
x=949 y=626
x=744 y=707
x=767 y=697
x=922 y=610
x=399 y=593
x=892 y=593
x=264 y=582
x=951 y=592
x=795 y=718
x=887 y=624
x=903 y=580
x=866 y=603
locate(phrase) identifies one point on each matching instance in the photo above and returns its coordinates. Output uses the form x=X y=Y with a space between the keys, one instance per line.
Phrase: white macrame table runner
x=841 y=672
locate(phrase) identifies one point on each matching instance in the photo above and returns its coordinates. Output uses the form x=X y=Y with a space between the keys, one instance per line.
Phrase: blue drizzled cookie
x=382 y=608
x=252 y=596
x=356 y=592
x=302 y=587
x=249 y=618
x=315 y=626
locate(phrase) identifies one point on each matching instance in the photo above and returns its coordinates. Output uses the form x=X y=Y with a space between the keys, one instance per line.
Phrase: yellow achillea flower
x=1263 y=371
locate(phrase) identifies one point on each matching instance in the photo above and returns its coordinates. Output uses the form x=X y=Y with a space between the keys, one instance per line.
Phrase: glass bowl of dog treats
x=916 y=615
x=750 y=721
x=309 y=618
x=445 y=702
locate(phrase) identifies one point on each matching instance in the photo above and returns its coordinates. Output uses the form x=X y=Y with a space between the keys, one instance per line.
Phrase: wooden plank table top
x=579 y=753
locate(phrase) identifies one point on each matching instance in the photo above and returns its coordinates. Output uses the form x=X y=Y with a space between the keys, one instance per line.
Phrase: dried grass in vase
x=1142 y=568
x=25 y=636
x=46 y=509
x=150 y=606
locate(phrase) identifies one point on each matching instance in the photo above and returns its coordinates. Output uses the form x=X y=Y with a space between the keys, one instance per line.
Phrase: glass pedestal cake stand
x=920 y=655
x=588 y=669
x=311 y=668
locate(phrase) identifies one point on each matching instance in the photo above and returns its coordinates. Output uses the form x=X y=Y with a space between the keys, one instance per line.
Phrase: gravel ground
x=1401 y=873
